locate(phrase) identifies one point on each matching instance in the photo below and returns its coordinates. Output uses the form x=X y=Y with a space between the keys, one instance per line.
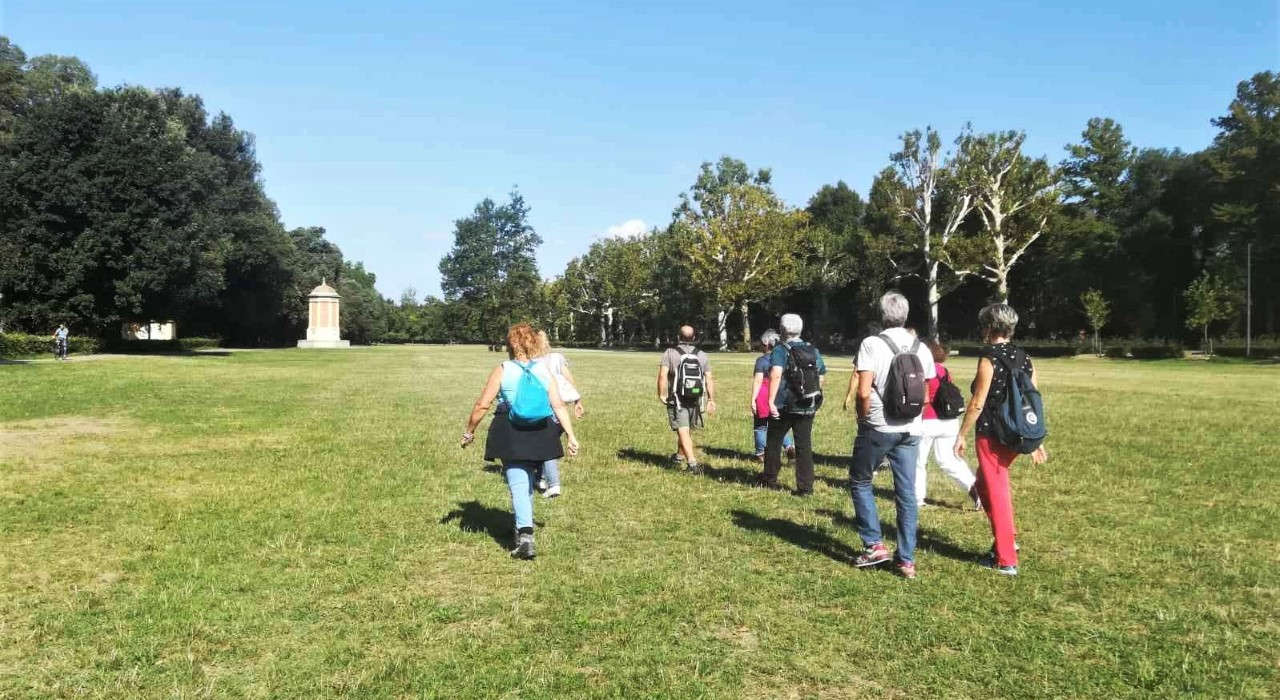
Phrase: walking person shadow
x=474 y=516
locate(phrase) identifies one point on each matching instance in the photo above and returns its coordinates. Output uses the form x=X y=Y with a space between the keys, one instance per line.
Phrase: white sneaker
x=551 y=492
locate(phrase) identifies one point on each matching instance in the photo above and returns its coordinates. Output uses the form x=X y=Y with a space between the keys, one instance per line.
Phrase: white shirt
x=875 y=356
x=555 y=363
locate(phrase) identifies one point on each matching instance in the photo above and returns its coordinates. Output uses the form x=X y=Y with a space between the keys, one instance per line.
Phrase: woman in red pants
x=989 y=391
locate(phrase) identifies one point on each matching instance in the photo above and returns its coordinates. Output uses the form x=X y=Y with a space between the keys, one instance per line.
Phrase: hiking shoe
x=551 y=492
x=758 y=459
x=875 y=555
x=907 y=570
x=524 y=547
x=695 y=469
x=677 y=459
x=977 y=500
x=802 y=494
x=771 y=485
x=988 y=561
x=791 y=452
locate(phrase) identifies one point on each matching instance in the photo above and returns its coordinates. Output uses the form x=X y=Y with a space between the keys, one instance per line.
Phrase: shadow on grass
x=819 y=460
x=474 y=516
x=652 y=459
x=926 y=538
x=733 y=475
x=802 y=536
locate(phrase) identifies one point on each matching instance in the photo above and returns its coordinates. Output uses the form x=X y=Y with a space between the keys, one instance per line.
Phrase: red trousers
x=994 y=460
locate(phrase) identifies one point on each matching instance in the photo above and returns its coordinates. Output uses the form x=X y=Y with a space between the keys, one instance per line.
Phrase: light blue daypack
x=531 y=404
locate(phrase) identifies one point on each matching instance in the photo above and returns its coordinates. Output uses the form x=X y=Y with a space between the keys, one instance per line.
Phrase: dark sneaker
x=988 y=561
x=791 y=452
x=771 y=485
x=758 y=459
x=524 y=547
x=907 y=570
x=973 y=495
x=875 y=555
x=695 y=469
x=802 y=494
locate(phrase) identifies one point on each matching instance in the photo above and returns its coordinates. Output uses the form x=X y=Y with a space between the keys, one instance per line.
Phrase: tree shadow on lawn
x=734 y=475
x=474 y=516
x=819 y=460
x=926 y=538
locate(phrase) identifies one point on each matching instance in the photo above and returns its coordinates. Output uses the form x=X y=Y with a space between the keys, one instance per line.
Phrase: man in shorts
x=685 y=403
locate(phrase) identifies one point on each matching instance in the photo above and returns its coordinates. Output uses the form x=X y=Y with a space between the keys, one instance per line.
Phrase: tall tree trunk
x=934 y=298
x=604 y=330
x=1002 y=285
x=746 y=324
x=722 y=326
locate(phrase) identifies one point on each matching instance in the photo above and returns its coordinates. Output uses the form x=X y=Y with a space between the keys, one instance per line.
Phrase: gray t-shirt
x=671 y=360
x=875 y=356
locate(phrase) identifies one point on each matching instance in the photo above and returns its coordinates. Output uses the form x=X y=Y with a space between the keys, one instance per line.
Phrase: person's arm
x=662 y=383
x=976 y=402
x=482 y=405
x=562 y=415
x=775 y=380
x=757 y=381
x=579 y=410
x=711 y=393
x=866 y=382
x=851 y=394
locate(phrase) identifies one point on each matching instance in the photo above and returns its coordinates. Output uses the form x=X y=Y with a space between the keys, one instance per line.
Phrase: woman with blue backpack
x=526 y=426
x=1007 y=416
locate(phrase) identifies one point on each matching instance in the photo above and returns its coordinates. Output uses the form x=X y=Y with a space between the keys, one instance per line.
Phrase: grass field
x=302 y=524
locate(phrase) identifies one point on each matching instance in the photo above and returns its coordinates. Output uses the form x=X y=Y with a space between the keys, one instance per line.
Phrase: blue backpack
x=532 y=404
x=1020 y=422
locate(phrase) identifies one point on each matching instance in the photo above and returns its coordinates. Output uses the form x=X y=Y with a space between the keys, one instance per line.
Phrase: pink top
x=931 y=388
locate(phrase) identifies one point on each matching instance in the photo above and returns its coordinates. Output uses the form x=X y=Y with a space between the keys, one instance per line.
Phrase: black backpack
x=690 y=383
x=1020 y=422
x=948 y=402
x=804 y=382
x=903 y=392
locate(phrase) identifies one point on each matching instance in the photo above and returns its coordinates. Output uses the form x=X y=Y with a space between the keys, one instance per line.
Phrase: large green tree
x=830 y=246
x=491 y=272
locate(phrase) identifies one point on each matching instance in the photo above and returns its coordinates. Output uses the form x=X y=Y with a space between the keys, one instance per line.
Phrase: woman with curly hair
x=521 y=447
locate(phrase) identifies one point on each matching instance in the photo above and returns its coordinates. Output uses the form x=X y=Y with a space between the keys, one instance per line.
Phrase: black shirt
x=999 y=380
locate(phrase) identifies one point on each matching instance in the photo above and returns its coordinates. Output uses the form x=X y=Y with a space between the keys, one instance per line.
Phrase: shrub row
x=23 y=344
x=162 y=346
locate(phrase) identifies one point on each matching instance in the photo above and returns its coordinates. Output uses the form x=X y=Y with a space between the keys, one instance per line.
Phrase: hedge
x=24 y=344
x=162 y=346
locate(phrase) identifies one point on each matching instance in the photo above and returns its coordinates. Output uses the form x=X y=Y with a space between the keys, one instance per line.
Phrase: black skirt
x=513 y=443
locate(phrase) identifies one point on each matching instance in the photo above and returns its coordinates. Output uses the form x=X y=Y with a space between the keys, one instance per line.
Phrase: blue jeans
x=760 y=429
x=869 y=448
x=521 y=477
x=551 y=472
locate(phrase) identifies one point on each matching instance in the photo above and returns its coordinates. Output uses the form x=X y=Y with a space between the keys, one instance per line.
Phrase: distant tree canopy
x=125 y=204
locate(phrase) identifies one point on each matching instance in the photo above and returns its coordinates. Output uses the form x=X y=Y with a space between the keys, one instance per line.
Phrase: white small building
x=323 y=329
x=151 y=330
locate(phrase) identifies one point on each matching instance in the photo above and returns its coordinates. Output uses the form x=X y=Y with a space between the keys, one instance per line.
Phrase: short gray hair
x=894 y=309
x=769 y=338
x=1000 y=319
x=792 y=325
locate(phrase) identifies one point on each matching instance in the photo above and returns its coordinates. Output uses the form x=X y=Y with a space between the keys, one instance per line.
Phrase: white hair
x=1000 y=319
x=769 y=338
x=894 y=310
x=792 y=325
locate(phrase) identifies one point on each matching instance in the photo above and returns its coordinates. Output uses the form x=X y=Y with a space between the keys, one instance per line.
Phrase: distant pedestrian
x=892 y=369
x=686 y=389
x=61 y=338
x=943 y=407
x=797 y=374
x=522 y=434
x=1000 y=364
x=556 y=363
x=761 y=409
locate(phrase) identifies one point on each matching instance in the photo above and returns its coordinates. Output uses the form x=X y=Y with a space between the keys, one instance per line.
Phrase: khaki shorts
x=684 y=416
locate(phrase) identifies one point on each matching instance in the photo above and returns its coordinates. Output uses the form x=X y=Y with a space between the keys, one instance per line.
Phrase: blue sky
x=384 y=121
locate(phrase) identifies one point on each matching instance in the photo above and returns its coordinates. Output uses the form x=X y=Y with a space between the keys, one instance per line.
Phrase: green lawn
x=302 y=524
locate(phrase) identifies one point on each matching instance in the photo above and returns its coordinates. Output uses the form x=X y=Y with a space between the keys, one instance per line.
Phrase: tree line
x=1147 y=243
x=126 y=204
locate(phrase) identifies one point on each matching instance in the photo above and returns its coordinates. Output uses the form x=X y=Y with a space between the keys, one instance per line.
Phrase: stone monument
x=322 y=314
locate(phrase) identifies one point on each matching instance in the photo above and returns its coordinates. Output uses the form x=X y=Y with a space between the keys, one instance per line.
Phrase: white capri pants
x=941 y=436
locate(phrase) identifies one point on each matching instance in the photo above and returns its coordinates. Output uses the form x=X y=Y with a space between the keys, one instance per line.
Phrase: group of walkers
x=906 y=402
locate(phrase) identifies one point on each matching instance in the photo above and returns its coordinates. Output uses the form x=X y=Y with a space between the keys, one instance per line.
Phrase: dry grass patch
x=45 y=439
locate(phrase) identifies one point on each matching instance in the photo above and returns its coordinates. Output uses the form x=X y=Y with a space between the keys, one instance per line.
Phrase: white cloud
x=630 y=227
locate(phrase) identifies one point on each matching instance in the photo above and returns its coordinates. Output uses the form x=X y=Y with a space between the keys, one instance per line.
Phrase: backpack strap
x=892 y=348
